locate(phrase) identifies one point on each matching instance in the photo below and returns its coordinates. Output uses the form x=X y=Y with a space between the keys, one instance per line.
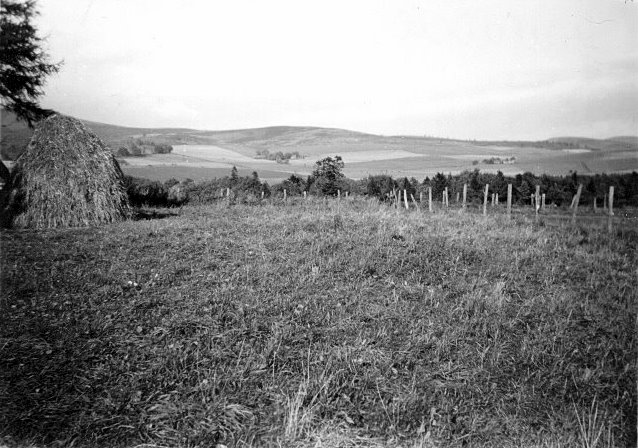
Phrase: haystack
x=66 y=177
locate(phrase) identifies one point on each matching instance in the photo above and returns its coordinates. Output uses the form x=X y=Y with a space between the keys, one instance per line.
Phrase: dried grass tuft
x=66 y=177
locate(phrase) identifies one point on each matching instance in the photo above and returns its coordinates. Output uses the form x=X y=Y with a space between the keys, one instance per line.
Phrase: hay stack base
x=66 y=178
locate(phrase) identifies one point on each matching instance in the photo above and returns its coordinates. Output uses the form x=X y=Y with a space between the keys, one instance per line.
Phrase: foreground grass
x=322 y=324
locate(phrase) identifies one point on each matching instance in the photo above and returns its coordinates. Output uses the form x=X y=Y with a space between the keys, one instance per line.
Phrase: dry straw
x=66 y=177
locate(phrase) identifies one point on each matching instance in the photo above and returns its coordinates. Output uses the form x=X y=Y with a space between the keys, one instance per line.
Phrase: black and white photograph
x=318 y=224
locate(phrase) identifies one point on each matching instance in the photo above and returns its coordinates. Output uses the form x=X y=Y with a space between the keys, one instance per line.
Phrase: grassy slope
x=318 y=325
x=432 y=155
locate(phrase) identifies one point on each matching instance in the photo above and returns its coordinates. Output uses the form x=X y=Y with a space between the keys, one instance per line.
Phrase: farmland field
x=202 y=155
x=318 y=323
x=398 y=159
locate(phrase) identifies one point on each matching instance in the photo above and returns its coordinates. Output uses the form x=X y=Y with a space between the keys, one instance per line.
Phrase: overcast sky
x=465 y=68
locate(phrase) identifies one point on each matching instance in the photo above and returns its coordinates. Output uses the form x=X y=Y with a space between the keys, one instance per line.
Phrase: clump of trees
x=328 y=178
x=279 y=157
x=495 y=161
x=140 y=147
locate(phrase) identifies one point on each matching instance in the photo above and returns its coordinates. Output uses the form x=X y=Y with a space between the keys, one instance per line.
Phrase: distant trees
x=279 y=157
x=141 y=146
x=328 y=178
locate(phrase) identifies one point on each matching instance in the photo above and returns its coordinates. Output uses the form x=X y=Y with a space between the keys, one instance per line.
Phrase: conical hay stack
x=66 y=178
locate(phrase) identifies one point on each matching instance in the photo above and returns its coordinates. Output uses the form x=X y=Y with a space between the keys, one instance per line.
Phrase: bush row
x=559 y=190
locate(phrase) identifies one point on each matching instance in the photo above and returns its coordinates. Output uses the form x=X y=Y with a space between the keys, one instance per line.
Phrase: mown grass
x=320 y=324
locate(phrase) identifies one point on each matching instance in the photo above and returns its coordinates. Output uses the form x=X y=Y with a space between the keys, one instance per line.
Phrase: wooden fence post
x=416 y=204
x=420 y=196
x=457 y=197
x=605 y=202
x=595 y=205
x=537 y=201
x=493 y=199
x=611 y=210
x=305 y=194
x=284 y=194
x=447 y=197
x=496 y=198
x=537 y=198
x=405 y=199
x=509 y=200
x=543 y=202
x=576 y=201
x=430 y=199
x=464 y=195
x=339 y=194
x=487 y=189
x=262 y=194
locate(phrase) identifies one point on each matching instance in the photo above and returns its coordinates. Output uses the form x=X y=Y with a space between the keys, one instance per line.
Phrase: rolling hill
x=202 y=154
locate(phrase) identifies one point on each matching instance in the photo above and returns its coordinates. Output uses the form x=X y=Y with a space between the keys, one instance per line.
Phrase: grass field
x=321 y=323
x=203 y=155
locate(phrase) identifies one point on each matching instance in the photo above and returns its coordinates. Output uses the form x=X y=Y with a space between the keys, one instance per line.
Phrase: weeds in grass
x=318 y=324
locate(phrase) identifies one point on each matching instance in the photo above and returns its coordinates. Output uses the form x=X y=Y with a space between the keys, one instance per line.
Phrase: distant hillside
x=278 y=151
x=631 y=139
x=15 y=136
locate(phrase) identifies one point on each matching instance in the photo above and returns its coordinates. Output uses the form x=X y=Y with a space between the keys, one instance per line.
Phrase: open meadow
x=204 y=155
x=369 y=155
x=319 y=323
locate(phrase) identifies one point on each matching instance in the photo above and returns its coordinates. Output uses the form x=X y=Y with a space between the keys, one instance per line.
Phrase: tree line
x=327 y=179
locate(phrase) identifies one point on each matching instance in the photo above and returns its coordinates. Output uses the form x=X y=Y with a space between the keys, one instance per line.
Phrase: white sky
x=502 y=69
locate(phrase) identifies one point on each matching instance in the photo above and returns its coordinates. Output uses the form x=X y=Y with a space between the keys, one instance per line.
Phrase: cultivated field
x=366 y=154
x=203 y=155
x=319 y=323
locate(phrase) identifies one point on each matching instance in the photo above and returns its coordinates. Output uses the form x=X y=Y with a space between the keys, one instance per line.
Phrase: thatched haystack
x=66 y=178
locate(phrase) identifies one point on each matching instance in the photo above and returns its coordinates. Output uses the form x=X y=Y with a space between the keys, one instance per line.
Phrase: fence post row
x=487 y=188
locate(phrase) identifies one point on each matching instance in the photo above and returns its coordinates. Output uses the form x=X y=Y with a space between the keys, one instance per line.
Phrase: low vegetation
x=324 y=323
x=278 y=156
x=495 y=161
x=141 y=147
x=328 y=180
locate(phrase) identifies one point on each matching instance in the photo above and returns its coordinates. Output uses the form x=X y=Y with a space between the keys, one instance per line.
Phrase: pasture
x=395 y=156
x=319 y=323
